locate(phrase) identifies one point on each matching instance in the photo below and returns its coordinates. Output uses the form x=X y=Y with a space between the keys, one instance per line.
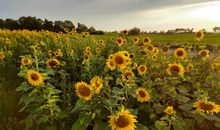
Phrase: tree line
x=33 y=23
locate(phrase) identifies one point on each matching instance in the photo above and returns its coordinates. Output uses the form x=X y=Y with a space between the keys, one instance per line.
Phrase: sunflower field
x=71 y=81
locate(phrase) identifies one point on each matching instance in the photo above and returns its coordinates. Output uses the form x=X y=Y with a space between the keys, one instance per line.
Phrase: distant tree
x=81 y=28
x=48 y=25
x=134 y=31
x=58 y=26
x=2 y=23
x=11 y=24
x=30 y=23
x=68 y=24
x=91 y=30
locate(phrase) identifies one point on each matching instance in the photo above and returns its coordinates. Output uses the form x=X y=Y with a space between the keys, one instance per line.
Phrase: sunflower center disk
x=180 y=53
x=175 y=68
x=122 y=121
x=84 y=91
x=53 y=63
x=142 y=94
x=198 y=34
x=142 y=69
x=34 y=77
x=206 y=107
x=119 y=60
x=203 y=53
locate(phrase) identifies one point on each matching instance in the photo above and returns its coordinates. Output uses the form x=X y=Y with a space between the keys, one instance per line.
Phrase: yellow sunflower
x=50 y=53
x=180 y=53
x=199 y=35
x=131 y=56
x=2 y=56
x=87 y=50
x=155 y=51
x=119 y=41
x=146 y=40
x=150 y=47
x=123 y=120
x=124 y=32
x=175 y=69
x=96 y=83
x=125 y=53
x=142 y=95
x=206 y=106
x=83 y=90
x=97 y=50
x=127 y=74
x=169 y=110
x=189 y=67
x=142 y=69
x=52 y=63
x=121 y=60
x=154 y=57
x=216 y=66
x=165 y=49
x=135 y=40
x=111 y=64
x=144 y=52
x=204 y=53
x=34 y=78
x=25 y=61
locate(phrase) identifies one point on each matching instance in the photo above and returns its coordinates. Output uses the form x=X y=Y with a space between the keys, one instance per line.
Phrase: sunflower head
x=96 y=83
x=165 y=49
x=150 y=47
x=124 y=32
x=144 y=52
x=142 y=95
x=155 y=51
x=142 y=69
x=189 y=67
x=169 y=110
x=2 y=56
x=199 y=35
x=135 y=40
x=123 y=120
x=146 y=40
x=206 y=106
x=204 y=53
x=25 y=61
x=83 y=90
x=154 y=57
x=180 y=53
x=34 y=78
x=216 y=66
x=175 y=69
x=52 y=63
x=127 y=74
x=119 y=41
x=121 y=60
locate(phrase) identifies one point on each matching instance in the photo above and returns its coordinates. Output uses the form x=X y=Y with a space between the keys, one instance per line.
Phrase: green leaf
x=83 y=121
x=141 y=127
x=29 y=124
x=99 y=125
x=80 y=104
x=161 y=125
x=22 y=87
x=217 y=124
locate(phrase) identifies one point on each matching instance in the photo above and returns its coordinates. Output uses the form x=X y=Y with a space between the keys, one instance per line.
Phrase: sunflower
x=96 y=83
x=169 y=110
x=58 y=53
x=154 y=57
x=34 y=78
x=119 y=41
x=87 y=50
x=204 y=53
x=25 y=61
x=216 y=66
x=180 y=53
x=206 y=106
x=199 y=35
x=128 y=74
x=2 y=56
x=83 y=90
x=175 y=69
x=155 y=51
x=150 y=47
x=165 y=49
x=124 y=32
x=146 y=40
x=50 y=53
x=144 y=52
x=189 y=67
x=97 y=50
x=142 y=95
x=52 y=63
x=135 y=40
x=132 y=56
x=100 y=41
x=111 y=64
x=142 y=69
x=123 y=120
x=121 y=60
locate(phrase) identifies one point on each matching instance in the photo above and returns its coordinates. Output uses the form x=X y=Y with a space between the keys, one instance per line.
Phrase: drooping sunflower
x=83 y=90
x=146 y=40
x=124 y=32
x=142 y=95
x=127 y=74
x=180 y=53
x=165 y=49
x=142 y=69
x=199 y=35
x=204 y=53
x=169 y=110
x=25 y=61
x=34 y=78
x=122 y=120
x=96 y=83
x=135 y=40
x=206 y=106
x=189 y=67
x=51 y=63
x=175 y=69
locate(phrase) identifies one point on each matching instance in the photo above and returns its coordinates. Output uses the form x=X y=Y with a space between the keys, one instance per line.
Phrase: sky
x=110 y=15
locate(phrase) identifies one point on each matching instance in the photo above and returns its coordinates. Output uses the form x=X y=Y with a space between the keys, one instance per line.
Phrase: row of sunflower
x=75 y=81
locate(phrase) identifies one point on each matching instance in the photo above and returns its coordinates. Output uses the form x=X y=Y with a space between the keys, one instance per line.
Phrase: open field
x=71 y=81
